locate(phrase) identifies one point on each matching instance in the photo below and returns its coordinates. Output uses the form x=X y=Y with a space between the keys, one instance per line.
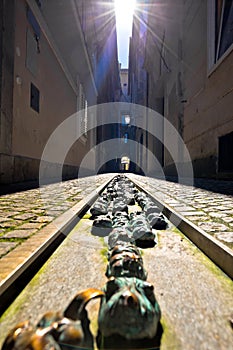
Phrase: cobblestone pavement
x=209 y=206
x=195 y=297
x=23 y=214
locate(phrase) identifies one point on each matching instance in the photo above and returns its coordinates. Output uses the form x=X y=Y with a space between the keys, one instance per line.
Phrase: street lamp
x=127 y=119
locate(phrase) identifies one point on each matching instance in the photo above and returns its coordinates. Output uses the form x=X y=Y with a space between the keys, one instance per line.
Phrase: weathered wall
x=31 y=129
x=198 y=100
x=6 y=85
x=209 y=95
x=24 y=131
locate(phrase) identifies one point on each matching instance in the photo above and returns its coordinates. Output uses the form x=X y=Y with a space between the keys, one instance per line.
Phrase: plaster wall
x=32 y=129
x=208 y=112
x=198 y=99
x=25 y=131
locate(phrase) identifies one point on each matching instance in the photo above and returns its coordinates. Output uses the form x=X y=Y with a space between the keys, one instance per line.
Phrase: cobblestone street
x=194 y=315
x=23 y=214
x=209 y=209
x=116 y=140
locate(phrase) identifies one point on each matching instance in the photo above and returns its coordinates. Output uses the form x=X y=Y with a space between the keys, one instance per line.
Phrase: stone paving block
x=27 y=208
x=54 y=212
x=43 y=219
x=217 y=214
x=8 y=224
x=172 y=202
x=191 y=213
x=4 y=220
x=224 y=207
x=229 y=212
x=75 y=192
x=181 y=207
x=46 y=207
x=10 y=214
x=208 y=209
x=38 y=211
x=65 y=207
x=25 y=216
x=212 y=226
x=227 y=219
x=228 y=201
x=77 y=198
x=225 y=236
x=18 y=205
x=7 y=246
x=198 y=218
x=19 y=234
x=31 y=226
x=5 y=205
x=199 y=206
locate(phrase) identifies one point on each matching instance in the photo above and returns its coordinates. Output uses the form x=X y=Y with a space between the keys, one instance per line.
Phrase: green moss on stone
x=169 y=339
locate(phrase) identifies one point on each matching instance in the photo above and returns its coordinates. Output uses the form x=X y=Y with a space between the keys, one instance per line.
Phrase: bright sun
x=124 y=10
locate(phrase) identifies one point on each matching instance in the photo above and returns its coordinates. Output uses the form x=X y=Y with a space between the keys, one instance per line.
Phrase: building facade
x=148 y=147
x=188 y=58
x=51 y=56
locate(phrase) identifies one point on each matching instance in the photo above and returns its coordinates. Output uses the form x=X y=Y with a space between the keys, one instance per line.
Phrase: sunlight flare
x=124 y=11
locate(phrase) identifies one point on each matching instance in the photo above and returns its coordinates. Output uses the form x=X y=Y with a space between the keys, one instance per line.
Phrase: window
x=33 y=22
x=224 y=23
x=225 y=158
x=33 y=42
x=220 y=29
x=31 y=53
x=35 y=98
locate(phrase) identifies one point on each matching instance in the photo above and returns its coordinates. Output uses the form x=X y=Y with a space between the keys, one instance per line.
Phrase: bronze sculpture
x=125 y=263
x=56 y=330
x=129 y=311
x=129 y=314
